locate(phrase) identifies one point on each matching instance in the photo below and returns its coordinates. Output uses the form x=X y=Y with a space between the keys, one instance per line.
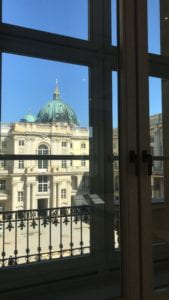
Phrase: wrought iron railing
x=29 y=236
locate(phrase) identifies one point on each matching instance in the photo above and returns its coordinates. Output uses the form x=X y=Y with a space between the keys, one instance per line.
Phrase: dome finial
x=56 y=94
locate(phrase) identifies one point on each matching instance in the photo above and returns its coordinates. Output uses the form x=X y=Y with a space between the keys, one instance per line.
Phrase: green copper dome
x=57 y=111
x=28 y=119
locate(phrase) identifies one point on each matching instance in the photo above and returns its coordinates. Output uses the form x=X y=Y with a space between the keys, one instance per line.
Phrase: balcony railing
x=29 y=236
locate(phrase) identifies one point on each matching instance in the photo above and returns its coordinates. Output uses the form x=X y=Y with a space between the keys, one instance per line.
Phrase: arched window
x=43 y=150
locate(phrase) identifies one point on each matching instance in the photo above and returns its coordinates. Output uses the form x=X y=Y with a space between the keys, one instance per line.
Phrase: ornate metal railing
x=29 y=236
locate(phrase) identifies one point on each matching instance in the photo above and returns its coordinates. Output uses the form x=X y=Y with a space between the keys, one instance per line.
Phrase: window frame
x=43 y=183
x=43 y=149
x=64 y=164
x=20 y=196
x=54 y=47
x=21 y=164
x=21 y=143
x=63 y=193
x=2 y=184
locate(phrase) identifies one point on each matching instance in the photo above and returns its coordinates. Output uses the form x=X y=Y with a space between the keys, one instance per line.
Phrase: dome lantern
x=56 y=94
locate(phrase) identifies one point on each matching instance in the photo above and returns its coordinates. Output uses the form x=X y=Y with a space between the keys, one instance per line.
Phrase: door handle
x=147 y=158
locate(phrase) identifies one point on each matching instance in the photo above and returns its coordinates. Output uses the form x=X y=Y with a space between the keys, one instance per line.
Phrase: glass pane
x=63 y=17
x=158 y=95
x=158 y=29
x=116 y=182
x=43 y=96
x=45 y=216
x=43 y=211
x=114 y=22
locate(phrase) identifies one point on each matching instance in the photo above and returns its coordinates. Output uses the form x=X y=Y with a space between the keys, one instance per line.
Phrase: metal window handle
x=133 y=158
x=147 y=158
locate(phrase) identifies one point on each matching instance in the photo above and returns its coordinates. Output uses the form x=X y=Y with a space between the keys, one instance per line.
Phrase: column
x=54 y=195
x=14 y=196
x=27 y=198
x=33 y=202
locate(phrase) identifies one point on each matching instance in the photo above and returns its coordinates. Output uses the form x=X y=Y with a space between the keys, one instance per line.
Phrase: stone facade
x=41 y=184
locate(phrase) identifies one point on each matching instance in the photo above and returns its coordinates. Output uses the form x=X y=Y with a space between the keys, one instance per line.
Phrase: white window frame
x=64 y=163
x=20 y=196
x=42 y=183
x=43 y=149
x=21 y=164
x=63 y=193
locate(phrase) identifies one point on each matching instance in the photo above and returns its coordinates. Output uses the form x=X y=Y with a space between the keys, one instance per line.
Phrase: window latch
x=147 y=158
x=133 y=158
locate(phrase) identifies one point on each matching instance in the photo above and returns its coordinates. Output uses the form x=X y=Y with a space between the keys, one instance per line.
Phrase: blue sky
x=153 y=8
x=67 y=17
x=28 y=83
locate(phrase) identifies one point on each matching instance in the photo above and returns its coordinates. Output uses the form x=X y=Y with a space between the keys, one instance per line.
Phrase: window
x=64 y=144
x=83 y=163
x=21 y=164
x=3 y=144
x=42 y=183
x=75 y=53
x=21 y=142
x=20 y=196
x=71 y=163
x=43 y=163
x=2 y=184
x=83 y=145
x=63 y=193
x=3 y=163
x=64 y=164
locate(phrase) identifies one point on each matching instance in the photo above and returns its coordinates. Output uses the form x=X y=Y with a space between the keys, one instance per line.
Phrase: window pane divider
x=37 y=157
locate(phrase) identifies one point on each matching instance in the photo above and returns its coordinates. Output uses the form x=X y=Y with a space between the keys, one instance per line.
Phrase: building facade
x=43 y=183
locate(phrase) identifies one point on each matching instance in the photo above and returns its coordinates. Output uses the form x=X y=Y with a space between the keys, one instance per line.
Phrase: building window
x=64 y=144
x=42 y=183
x=21 y=142
x=64 y=164
x=21 y=164
x=63 y=193
x=3 y=163
x=43 y=163
x=71 y=163
x=20 y=196
x=83 y=145
x=71 y=145
x=2 y=184
x=3 y=144
x=83 y=163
